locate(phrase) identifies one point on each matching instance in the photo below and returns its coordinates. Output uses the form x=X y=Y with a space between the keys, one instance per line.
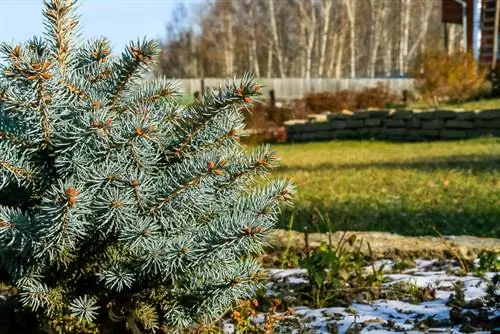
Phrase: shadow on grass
x=474 y=163
x=480 y=220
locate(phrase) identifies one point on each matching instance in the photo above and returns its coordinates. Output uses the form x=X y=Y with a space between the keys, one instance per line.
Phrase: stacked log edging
x=396 y=124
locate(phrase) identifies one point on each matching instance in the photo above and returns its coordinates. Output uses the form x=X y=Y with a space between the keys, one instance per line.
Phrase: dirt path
x=388 y=245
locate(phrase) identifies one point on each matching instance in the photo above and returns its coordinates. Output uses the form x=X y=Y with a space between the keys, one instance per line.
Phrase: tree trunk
x=405 y=36
x=339 y=63
x=377 y=12
x=326 y=9
x=351 y=15
x=303 y=48
x=307 y=17
x=452 y=40
x=310 y=41
x=335 y=46
x=427 y=8
x=270 y=60
x=387 y=36
x=253 y=61
x=229 y=50
x=276 y=43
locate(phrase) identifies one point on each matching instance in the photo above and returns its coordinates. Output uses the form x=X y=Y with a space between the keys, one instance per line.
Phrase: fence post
x=272 y=98
x=202 y=82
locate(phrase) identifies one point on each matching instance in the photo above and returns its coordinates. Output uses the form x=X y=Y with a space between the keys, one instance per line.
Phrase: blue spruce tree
x=121 y=210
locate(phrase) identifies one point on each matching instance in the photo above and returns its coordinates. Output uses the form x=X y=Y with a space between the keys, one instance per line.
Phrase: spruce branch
x=152 y=91
x=197 y=117
x=84 y=308
x=207 y=166
x=19 y=172
x=14 y=165
x=60 y=23
x=13 y=105
x=16 y=229
x=15 y=140
x=136 y=57
x=148 y=316
x=43 y=100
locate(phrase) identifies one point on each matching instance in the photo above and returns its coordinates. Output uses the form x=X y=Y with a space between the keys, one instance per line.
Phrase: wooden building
x=480 y=18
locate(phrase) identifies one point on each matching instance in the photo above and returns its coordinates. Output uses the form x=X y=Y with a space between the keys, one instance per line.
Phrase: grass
x=469 y=105
x=405 y=188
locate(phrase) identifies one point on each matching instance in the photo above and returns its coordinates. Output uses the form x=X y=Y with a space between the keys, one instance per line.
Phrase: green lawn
x=405 y=188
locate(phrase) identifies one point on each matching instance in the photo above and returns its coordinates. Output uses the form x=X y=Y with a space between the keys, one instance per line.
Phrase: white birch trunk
x=326 y=9
x=377 y=13
x=307 y=17
x=405 y=36
x=427 y=9
x=388 y=38
x=351 y=15
x=335 y=46
x=339 y=66
x=270 y=60
x=253 y=61
x=276 y=43
x=229 y=49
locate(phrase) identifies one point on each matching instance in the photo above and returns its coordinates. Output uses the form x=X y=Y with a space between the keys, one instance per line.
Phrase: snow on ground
x=382 y=316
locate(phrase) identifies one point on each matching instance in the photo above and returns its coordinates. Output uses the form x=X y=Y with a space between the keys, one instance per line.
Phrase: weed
x=478 y=314
x=410 y=292
x=289 y=259
x=489 y=261
x=402 y=264
x=334 y=272
x=247 y=309
x=464 y=263
x=492 y=298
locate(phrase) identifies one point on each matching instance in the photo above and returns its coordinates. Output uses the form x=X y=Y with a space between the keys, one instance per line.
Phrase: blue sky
x=118 y=20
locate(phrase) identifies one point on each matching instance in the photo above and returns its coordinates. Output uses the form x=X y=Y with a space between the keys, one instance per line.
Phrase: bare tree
x=307 y=12
x=229 y=47
x=276 y=43
x=308 y=38
x=253 y=59
x=405 y=36
x=326 y=11
x=425 y=10
x=351 y=15
x=377 y=8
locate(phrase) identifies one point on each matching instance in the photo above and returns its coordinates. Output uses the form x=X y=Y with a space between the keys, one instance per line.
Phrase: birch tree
x=326 y=11
x=405 y=36
x=274 y=31
x=303 y=38
x=307 y=15
x=426 y=8
x=253 y=59
x=377 y=8
x=229 y=47
x=351 y=16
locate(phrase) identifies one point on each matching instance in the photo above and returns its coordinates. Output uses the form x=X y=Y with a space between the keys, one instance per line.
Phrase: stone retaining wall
x=392 y=124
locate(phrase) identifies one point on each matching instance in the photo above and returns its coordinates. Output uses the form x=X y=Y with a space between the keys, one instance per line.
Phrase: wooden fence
x=293 y=88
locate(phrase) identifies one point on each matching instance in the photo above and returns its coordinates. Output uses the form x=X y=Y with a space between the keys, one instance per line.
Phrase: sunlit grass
x=405 y=188
x=469 y=105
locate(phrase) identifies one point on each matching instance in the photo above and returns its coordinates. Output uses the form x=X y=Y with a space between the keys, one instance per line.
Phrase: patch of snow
x=388 y=266
x=277 y=274
x=377 y=315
